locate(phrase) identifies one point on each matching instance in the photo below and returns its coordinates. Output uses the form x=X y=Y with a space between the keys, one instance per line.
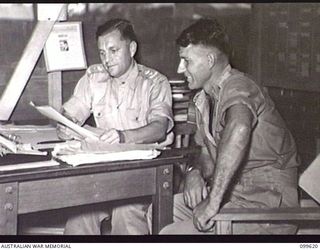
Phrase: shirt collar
x=199 y=99
x=130 y=76
x=216 y=85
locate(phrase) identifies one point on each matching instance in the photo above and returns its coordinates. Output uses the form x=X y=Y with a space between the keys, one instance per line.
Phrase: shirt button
x=99 y=114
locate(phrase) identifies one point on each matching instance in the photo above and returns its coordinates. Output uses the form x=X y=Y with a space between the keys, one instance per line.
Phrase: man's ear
x=133 y=48
x=211 y=59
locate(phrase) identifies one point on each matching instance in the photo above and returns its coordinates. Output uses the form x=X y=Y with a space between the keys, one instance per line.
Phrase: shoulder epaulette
x=149 y=73
x=94 y=69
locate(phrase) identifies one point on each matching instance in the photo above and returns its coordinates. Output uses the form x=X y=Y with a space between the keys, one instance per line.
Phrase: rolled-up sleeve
x=243 y=92
x=161 y=102
x=78 y=106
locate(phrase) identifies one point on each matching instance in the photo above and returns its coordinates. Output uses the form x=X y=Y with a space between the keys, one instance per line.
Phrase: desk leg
x=8 y=208
x=162 y=208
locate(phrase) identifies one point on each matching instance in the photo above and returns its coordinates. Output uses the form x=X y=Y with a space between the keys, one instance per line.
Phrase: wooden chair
x=184 y=128
x=227 y=216
x=309 y=210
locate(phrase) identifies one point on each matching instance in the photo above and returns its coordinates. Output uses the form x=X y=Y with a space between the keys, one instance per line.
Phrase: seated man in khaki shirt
x=130 y=103
x=249 y=158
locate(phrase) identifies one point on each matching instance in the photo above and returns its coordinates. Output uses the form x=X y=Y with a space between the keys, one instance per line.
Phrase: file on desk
x=73 y=154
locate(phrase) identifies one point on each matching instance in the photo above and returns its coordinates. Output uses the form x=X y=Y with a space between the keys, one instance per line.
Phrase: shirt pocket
x=134 y=119
x=103 y=115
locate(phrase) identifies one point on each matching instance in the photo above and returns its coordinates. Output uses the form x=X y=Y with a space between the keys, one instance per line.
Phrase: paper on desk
x=55 y=115
x=73 y=153
x=88 y=158
x=79 y=147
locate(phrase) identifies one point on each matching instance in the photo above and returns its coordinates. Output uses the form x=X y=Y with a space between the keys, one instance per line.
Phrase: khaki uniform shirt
x=267 y=176
x=134 y=100
x=271 y=142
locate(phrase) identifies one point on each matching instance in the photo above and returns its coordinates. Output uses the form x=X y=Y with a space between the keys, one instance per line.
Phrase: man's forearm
x=232 y=149
x=153 y=132
x=204 y=163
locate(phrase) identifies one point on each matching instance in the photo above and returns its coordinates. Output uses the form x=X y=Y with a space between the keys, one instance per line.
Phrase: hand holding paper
x=56 y=116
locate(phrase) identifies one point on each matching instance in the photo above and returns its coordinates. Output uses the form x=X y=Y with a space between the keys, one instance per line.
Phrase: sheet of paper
x=55 y=115
x=77 y=147
x=89 y=158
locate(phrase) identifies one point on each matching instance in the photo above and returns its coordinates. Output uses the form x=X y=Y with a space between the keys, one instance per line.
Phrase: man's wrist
x=121 y=136
x=192 y=169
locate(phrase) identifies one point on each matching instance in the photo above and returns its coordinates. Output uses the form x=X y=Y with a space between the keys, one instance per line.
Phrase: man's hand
x=202 y=215
x=110 y=136
x=65 y=133
x=194 y=189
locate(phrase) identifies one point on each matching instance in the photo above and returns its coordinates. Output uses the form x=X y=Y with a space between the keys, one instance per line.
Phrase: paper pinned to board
x=56 y=116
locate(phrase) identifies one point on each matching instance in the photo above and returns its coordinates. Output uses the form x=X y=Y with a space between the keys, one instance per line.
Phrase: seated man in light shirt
x=130 y=103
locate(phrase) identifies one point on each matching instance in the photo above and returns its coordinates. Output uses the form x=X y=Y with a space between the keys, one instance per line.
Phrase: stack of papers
x=73 y=152
x=88 y=158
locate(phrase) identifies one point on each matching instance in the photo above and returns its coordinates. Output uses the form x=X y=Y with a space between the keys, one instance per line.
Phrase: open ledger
x=51 y=113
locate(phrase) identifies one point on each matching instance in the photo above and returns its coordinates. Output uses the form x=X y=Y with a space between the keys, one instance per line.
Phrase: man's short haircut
x=122 y=25
x=207 y=32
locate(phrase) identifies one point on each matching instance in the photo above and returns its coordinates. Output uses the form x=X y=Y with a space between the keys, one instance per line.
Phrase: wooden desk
x=47 y=188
